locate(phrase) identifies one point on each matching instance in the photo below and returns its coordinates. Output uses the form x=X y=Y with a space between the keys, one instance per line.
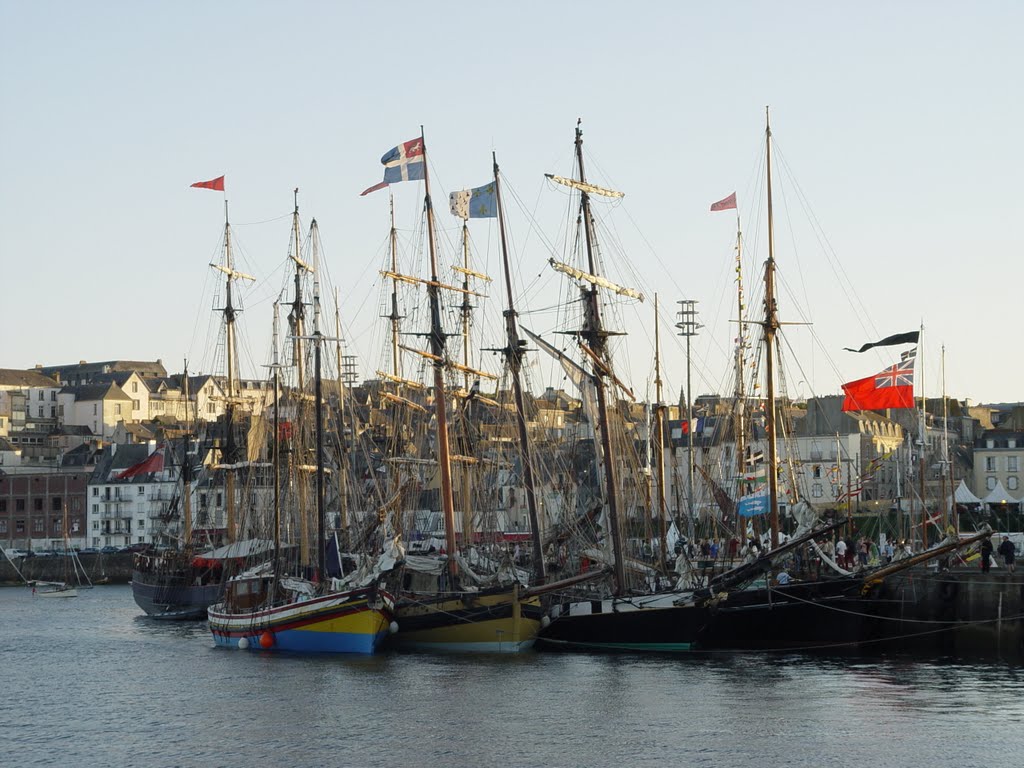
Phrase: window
x=94 y=406
x=19 y=526
x=209 y=407
x=990 y=483
x=37 y=525
x=37 y=505
x=3 y=526
x=53 y=396
x=135 y=405
x=3 y=505
x=42 y=395
x=817 y=471
x=141 y=525
x=95 y=491
x=53 y=411
x=1011 y=483
x=220 y=499
x=142 y=490
x=95 y=525
x=117 y=409
x=95 y=541
x=40 y=411
x=1011 y=442
x=990 y=463
x=95 y=509
x=135 y=388
x=1011 y=464
x=19 y=505
x=55 y=504
x=816 y=490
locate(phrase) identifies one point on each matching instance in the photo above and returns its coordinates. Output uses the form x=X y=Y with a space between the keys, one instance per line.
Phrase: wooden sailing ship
x=439 y=606
x=273 y=607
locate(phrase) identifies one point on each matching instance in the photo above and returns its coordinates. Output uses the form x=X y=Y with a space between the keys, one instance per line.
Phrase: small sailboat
x=75 y=577
x=265 y=608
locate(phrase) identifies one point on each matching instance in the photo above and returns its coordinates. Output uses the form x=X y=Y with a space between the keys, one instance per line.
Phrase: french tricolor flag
x=402 y=163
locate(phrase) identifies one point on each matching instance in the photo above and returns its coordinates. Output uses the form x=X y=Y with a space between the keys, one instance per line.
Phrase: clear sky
x=898 y=176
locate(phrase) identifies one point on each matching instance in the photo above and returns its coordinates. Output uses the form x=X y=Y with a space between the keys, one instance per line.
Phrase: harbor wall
x=957 y=612
x=115 y=568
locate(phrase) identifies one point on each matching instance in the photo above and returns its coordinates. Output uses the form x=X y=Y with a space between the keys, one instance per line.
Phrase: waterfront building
x=32 y=509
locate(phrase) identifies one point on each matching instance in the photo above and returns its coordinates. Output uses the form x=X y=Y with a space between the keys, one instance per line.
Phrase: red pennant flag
x=217 y=184
x=725 y=204
x=153 y=463
x=891 y=388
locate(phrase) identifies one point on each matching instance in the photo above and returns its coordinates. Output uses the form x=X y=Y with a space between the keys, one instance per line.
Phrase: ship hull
x=347 y=622
x=170 y=598
x=651 y=623
x=494 y=621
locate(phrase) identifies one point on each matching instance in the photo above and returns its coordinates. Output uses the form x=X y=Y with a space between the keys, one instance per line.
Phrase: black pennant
x=899 y=338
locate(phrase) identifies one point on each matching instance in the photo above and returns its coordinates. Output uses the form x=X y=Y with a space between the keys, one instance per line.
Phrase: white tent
x=963 y=495
x=998 y=495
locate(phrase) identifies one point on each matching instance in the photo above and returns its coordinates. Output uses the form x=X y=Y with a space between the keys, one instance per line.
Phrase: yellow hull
x=497 y=622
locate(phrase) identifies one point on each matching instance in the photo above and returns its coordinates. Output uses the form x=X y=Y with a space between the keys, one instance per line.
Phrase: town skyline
x=891 y=201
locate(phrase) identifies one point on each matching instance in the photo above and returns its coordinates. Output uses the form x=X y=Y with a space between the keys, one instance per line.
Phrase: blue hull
x=304 y=641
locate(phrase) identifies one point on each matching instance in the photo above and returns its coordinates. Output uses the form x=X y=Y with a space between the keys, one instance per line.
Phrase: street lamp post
x=688 y=326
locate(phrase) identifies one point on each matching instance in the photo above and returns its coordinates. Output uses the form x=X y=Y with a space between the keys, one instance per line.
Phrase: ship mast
x=277 y=441
x=230 y=313
x=465 y=471
x=659 y=411
x=740 y=388
x=771 y=325
x=319 y=405
x=186 y=469
x=297 y=316
x=394 y=317
x=437 y=347
x=514 y=355
x=597 y=340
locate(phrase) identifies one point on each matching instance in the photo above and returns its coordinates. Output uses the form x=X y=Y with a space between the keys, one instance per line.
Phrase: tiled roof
x=15 y=377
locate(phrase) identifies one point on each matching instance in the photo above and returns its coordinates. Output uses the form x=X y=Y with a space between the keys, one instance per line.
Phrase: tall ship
x=295 y=600
x=182 y=582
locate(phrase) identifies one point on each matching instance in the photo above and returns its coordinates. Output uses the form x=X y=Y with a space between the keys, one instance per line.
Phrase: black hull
x=171 y=597
x=828 y=615
x=659 y=626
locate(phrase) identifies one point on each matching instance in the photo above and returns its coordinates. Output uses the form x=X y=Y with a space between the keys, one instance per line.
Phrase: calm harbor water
x=92 y=682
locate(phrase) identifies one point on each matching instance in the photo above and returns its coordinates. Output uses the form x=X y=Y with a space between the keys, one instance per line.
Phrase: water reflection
x=170 y=698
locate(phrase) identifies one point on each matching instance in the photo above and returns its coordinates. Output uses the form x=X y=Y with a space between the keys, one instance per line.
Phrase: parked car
x=13 y=553
x=109 y=550
x=89 y=551
x=140 y=547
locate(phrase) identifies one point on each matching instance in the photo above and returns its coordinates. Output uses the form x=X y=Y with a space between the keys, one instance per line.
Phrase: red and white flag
x=725 y=204
x=217 y=184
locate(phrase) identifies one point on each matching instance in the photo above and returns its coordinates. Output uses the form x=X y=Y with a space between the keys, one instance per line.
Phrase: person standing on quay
x=986 y=555
x=1009 y=552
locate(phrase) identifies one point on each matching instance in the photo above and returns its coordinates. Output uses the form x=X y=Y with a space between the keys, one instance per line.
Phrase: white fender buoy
x=545 y=622
x=243 y=643
x=393 y=627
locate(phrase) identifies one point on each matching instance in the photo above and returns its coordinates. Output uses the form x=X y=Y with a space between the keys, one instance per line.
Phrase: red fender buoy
x=266 y=641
